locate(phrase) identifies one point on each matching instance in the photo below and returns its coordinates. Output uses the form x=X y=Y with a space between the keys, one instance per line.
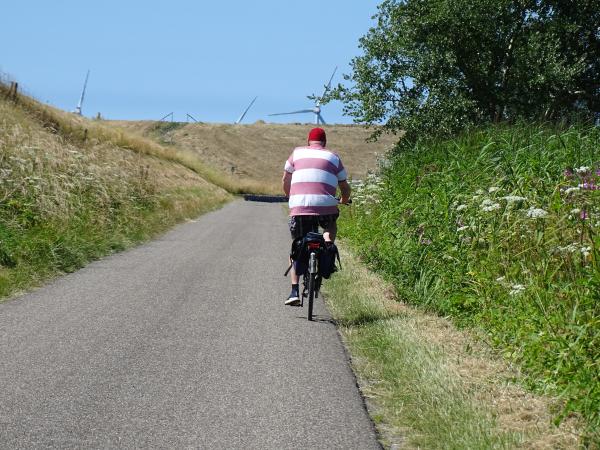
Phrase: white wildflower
x=571 y=248
x=582 y=169
x=462 y=228
x=488 y=205
x=479 y=192
x=514 y=198
x=516 y=289
x=536 y=213
x=585 y=251
x=500 y=279
x=575 y=211
x=572 y=189
x=493 y=207
x=493 y=189
x=461 y=207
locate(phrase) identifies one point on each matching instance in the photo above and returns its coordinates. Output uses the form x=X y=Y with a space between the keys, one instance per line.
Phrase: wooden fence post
x=8 y=94
x=12 y=92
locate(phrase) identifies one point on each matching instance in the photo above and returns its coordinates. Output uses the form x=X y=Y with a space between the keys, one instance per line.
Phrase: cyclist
x=311 y=177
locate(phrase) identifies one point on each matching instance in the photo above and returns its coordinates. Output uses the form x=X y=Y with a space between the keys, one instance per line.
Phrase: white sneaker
x=293 y=299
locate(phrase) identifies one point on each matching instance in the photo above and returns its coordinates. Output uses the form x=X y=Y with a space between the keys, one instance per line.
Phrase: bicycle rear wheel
x=311 y=294
x=312 y=285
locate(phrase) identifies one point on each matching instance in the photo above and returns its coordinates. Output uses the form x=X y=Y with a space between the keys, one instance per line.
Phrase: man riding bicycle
x=311 y=177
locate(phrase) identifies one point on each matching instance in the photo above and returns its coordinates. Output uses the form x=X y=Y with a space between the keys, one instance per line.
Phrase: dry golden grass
x=256 y=153
x=37 y=158
x=81 y=131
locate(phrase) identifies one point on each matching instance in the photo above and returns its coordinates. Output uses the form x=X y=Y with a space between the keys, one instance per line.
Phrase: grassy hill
x=72 y=190
x=255 y=153
x=499 y=229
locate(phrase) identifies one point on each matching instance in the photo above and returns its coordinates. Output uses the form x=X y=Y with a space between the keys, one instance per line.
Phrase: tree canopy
x=438 y=66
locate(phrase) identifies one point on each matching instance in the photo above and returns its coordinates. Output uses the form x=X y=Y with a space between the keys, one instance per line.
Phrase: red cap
x=317 y=134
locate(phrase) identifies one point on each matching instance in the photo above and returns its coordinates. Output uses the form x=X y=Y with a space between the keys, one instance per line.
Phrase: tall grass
x=428 y=384
x=80 y=131
x=66 y=199
x=498 y=229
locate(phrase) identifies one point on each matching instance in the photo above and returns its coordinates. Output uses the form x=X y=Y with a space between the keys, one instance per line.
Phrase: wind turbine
x=244 y=113
x=78 y=109
x=316 y=110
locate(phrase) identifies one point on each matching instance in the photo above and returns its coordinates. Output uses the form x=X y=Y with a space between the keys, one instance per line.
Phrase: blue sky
x=208 y=59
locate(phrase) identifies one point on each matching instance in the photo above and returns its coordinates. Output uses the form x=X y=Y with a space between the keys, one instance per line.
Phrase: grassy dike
x=498 y=229
x=70 y=193
x=429 y=385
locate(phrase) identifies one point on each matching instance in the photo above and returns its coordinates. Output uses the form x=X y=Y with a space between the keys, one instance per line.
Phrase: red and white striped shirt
x=316 y=173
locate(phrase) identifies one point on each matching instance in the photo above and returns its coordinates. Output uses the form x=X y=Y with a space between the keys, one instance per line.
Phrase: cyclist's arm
x=345 y=190
x=287 y=182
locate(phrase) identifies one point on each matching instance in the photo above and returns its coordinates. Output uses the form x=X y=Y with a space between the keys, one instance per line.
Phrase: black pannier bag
x=327 y=254
x=327 y=260
x=299 y=256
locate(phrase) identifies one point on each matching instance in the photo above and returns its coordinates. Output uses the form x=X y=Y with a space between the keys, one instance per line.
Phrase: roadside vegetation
x=72 y=191
x=80 y=130
x=428 y=385
x=497 y=229
x=534 y=60
x=488 y=209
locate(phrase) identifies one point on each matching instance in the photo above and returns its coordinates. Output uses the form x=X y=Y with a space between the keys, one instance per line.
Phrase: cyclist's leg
x=296 y=230
x=294 y=277
x=329 y=225
x=299 y=226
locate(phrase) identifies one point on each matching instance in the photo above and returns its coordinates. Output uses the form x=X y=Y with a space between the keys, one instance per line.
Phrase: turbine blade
x=328 y=85
x=320 y=118
x=246 y=110
x=80 y=104
x=293 y=112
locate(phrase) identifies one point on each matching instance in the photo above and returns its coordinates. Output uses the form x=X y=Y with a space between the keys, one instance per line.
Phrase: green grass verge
x=429 y=385
x=417 y=400
x=31 y=254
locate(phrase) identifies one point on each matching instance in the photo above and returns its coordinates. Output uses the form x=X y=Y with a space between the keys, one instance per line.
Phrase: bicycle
x=311 y=279
x=313 y=244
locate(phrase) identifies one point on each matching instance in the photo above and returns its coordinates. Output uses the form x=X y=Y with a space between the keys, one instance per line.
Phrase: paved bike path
x=180 y=343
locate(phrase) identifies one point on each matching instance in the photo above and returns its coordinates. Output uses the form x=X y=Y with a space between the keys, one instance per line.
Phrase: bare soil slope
x=257 y=152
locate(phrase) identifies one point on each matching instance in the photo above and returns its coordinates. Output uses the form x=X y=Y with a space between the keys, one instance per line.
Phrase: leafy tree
x=438 y=66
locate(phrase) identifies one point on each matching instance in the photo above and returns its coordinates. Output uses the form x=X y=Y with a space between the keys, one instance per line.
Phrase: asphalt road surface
x=180 y=343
